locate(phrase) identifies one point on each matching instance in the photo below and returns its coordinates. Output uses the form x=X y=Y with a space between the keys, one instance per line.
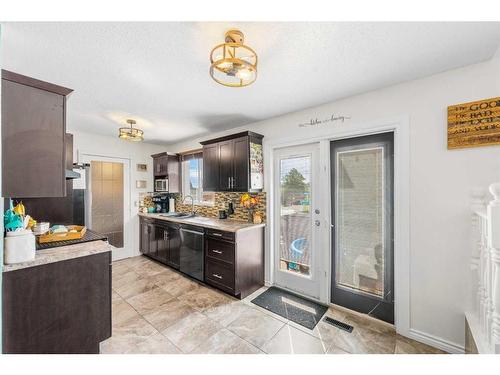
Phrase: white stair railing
x=483 y=314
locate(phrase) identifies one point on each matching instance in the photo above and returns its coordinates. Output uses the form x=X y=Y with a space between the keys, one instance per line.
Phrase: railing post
x=478 y=208
x=493 y=302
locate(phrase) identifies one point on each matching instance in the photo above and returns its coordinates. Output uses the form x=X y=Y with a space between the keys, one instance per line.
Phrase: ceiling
x=157 y=73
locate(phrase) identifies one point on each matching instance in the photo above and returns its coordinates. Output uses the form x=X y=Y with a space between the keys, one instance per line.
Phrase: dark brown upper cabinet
x=233 y=163
x=168 y=166
x=33 y=137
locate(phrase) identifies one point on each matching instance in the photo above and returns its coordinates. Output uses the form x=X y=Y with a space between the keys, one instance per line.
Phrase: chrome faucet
x=192 y=203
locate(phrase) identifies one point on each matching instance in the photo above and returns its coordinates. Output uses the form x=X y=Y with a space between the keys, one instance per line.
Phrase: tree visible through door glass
x=295 y=218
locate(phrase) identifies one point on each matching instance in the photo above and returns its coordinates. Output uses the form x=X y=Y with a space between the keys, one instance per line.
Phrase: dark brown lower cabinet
x=234 y=262
x=174 y=245
x=62 y=307
x=148 y=238
x=161 y=241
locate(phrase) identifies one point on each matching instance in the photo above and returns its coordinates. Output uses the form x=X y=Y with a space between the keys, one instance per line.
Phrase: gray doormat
x=290 y=306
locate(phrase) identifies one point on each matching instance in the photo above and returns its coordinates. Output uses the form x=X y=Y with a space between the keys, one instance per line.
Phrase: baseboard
x=437 y=342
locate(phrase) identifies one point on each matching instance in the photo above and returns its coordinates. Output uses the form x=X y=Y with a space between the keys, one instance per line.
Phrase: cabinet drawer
x=220 y=273
x=220 y=250
x=220 y=234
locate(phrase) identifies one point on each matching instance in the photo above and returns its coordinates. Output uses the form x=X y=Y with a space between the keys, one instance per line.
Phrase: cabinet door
x=211 y=167
x=162 y=251
x=160 y=166
x=156 y=167
x=153 y=242
x=164 y=165
x=58 y=308
x=173 y=172
x=33 y=149
x=226 y=152
x=144 y=245
x=174 y=245
x=240 y=164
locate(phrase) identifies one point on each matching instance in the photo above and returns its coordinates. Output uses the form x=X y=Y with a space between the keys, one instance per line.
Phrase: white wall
x=135 y=152
x=440 y=180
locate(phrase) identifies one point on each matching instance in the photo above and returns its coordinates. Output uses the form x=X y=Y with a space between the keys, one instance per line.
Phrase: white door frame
x=400 y=127
x=128 y=240
x=309 y=286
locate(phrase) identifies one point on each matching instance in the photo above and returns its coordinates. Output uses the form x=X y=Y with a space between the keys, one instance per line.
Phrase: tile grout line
x=143 y=317
x=268 y=313
x=285 y=322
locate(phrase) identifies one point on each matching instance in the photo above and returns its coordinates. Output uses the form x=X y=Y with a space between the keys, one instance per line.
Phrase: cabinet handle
x=229 y=182
x=217 y=251
x=217 y=276
x=216 y=234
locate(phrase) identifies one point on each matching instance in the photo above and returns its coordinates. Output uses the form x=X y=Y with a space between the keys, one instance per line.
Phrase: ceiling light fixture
x=232 y=63
x=131 y=133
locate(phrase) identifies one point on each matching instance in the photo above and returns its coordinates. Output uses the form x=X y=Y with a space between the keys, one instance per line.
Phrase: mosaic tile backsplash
x=221 y=203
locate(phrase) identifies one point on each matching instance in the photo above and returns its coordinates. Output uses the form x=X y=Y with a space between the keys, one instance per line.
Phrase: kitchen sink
x=179 y=215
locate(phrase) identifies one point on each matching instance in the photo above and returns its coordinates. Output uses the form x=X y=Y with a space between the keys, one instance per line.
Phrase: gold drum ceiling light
x=131 y=133
x=232 y=63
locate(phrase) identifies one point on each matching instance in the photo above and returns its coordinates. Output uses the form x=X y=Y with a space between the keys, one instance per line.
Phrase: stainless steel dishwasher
x=192 y=251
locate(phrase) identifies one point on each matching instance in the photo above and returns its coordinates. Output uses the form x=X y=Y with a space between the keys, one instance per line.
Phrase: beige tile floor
x=158 y=310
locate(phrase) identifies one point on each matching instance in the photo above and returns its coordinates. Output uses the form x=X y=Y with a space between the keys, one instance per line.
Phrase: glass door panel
x=360 y=204
x=362 y=224
x=297 y=219
x=295 y=215
x=107 y=200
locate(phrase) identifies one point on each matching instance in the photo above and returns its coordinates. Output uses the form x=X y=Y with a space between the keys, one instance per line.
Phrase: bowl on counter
x=151 y=210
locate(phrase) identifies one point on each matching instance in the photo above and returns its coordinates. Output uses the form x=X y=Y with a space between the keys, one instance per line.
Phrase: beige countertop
x=208 y=222
x=58 y=254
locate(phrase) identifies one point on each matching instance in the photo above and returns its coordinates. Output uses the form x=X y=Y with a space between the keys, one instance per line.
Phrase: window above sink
x=192 y=179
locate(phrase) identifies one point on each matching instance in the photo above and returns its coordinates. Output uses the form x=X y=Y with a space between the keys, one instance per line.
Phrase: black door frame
x=357 y=300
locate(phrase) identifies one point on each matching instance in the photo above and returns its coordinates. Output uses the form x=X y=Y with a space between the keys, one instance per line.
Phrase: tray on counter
x=67 y=236
x=88 y=237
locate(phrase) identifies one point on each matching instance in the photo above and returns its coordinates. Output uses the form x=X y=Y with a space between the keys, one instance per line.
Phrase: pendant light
x=233 y=64
x=131 y=133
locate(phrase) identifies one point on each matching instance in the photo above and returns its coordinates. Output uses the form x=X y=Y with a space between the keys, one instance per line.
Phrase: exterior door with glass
x=297 y=219
x=362 y=225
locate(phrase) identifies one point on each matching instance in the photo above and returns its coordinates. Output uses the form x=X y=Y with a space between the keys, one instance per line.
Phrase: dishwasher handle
x=191 y=231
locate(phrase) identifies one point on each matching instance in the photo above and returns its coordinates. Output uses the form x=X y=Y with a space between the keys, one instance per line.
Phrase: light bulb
x=223 y=65
x=244 y=74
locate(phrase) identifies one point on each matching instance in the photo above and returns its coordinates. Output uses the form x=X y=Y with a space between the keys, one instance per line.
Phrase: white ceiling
x=157 y=73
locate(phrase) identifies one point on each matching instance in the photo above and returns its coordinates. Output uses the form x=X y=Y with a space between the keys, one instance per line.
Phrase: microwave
x=161 y=185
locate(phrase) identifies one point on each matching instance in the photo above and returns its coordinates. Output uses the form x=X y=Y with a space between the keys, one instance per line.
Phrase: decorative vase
x=257 y=218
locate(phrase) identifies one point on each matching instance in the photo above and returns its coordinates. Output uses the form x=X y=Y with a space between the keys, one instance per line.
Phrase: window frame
x=186 y=175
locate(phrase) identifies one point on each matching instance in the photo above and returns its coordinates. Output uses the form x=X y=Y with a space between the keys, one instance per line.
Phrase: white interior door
x=108 y=201
x=297 y=211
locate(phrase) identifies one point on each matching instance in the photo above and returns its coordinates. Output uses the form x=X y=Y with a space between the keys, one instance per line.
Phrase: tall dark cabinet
x=168 y=166
x=233 y=163
x=33 y=137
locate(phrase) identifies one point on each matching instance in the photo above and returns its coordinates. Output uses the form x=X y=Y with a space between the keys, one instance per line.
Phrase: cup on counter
x=222 y=214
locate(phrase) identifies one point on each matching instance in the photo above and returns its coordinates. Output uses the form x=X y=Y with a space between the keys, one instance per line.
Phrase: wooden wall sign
x=474 y=124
